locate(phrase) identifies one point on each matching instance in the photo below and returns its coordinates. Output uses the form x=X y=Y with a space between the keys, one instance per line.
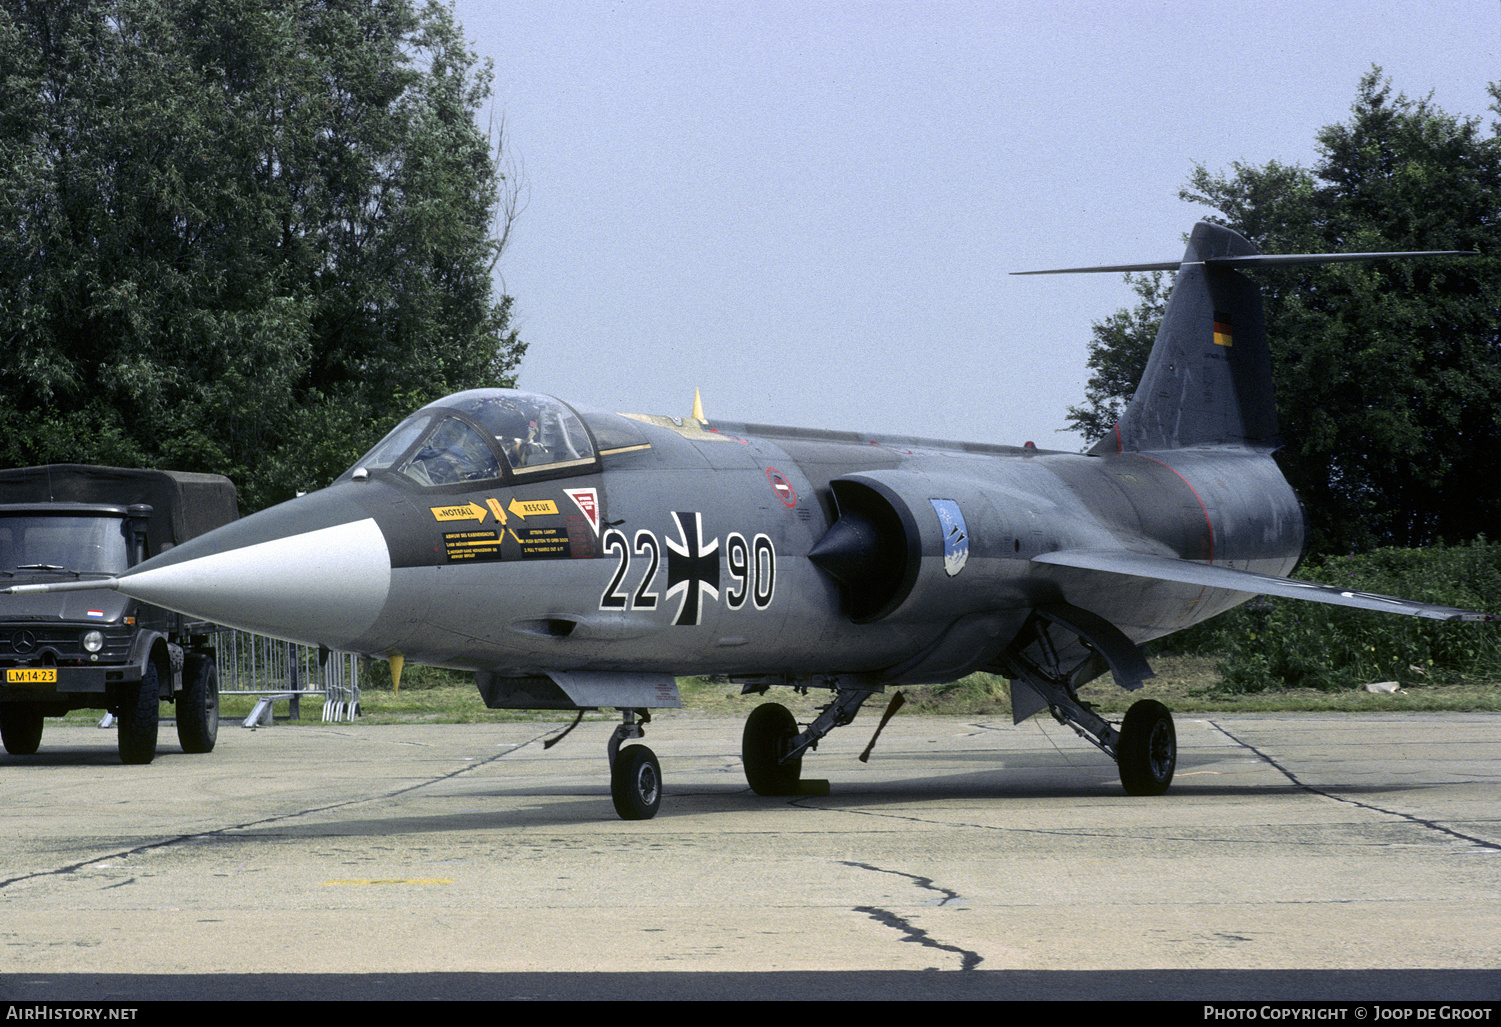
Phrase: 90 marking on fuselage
x=693 y=570
x=754 y=570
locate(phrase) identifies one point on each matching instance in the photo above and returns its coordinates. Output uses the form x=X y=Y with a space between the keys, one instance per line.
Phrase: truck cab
x=98 y=649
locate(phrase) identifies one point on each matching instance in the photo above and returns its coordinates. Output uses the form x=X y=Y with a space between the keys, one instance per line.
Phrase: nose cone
x=314 y=570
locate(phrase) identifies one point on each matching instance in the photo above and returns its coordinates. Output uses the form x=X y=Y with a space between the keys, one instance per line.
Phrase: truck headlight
x=93 y=641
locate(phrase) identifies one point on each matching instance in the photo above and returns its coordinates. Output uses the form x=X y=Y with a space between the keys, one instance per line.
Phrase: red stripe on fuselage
x=1208 y=523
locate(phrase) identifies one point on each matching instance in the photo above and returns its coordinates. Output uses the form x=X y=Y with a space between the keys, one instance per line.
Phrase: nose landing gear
x=635 y=772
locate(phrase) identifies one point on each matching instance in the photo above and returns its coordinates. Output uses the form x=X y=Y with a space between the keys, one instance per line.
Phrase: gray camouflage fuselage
x=694 y=558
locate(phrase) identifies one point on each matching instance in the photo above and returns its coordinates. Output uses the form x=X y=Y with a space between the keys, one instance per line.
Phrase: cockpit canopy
x=481 y=435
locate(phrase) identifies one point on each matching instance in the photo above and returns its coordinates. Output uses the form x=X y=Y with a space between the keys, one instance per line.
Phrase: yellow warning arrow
x=467 y=512
x=532 y=507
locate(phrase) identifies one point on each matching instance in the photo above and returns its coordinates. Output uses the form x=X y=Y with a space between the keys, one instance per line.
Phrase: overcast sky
x=807 y=210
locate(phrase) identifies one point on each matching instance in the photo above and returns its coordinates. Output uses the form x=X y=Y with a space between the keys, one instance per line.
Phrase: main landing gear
x=1045 y=665
x=772 y=748
x=1059 y=648
x=1147 y=750
x=1145 y=747
x=764 y=748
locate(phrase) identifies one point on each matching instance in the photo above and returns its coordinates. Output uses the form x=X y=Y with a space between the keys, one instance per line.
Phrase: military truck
x=98 y=649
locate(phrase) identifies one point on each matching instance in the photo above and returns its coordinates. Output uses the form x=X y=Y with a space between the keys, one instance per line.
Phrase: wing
x=1162 y=568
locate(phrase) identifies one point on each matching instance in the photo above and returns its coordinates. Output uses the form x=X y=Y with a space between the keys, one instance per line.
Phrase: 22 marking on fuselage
x=693 y=570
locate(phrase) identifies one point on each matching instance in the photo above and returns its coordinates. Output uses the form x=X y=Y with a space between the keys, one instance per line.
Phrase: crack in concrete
x=916 y=935
x=1431 y=825
x=926 y=883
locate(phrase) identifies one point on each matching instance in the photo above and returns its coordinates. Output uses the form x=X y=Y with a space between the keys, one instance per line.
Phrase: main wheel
x=198 y=705
x=636 y=783
x=140 y=708
x=20 y=729
x=1148 y=752
x=768 y=729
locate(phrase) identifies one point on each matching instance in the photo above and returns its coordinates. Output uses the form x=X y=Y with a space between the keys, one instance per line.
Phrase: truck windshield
x=85 y=545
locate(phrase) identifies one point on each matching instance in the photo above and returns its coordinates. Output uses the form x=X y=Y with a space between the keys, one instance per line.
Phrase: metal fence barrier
x=279 y=671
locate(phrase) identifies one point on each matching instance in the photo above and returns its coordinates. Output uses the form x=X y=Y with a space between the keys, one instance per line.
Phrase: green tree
x=1388 y=374
x=241 y=236
x=1118 y=356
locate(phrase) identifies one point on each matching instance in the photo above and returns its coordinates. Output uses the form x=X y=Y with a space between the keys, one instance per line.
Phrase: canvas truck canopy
x=184 y=504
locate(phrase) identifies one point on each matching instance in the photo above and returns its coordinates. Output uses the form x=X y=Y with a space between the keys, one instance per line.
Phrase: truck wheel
x=140 y=707
x=198 y=705
x=20 y=729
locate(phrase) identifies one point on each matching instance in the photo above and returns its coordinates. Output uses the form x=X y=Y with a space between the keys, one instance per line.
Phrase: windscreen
x=82 y=545
x=481 y=435
x=534 y=432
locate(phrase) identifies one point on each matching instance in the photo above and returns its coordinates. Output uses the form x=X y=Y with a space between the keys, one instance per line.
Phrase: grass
x=1185 y=684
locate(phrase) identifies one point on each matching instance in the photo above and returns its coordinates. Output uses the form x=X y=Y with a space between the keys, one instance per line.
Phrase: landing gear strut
x=1044 y=672
x=1145 y=748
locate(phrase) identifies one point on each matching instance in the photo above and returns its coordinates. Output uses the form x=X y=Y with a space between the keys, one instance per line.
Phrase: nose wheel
x=635 y=773
x=636 y=783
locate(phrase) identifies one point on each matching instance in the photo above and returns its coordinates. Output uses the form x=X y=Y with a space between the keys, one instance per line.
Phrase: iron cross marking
x=692 y=568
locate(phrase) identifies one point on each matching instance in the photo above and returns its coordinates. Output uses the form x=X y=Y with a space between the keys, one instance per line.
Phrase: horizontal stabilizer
x=1208 y=379
x=1162 y=568
x=1255 y=260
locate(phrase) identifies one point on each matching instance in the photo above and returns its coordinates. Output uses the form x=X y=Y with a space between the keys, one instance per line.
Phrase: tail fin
x=1209 y=378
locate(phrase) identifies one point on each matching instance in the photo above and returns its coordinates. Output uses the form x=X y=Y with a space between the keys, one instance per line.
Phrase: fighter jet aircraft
x=575 y=559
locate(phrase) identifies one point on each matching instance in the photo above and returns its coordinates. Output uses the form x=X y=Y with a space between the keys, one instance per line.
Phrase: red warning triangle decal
x=587 y=500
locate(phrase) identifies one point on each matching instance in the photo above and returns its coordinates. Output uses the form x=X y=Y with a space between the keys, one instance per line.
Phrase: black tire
x=636 y=783
x=21 y=729
x=1148 y=752
x=198 y=705
x=137 y=719
x=768 y=729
